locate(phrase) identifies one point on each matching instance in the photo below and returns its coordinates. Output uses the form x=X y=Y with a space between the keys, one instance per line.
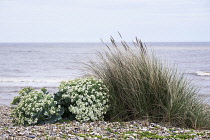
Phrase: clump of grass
x=143 y=87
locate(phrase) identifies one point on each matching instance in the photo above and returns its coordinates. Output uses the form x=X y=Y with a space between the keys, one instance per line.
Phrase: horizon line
x=107 y=42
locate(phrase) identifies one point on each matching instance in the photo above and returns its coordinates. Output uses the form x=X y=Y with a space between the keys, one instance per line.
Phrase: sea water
x=41 y=65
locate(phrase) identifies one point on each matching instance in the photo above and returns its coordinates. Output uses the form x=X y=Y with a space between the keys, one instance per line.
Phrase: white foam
x=202 y=73
x=31 y=80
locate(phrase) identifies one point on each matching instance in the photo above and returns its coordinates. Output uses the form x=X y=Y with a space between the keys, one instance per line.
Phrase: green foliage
x=142 y=87
x=184 y=136
x=83 y=99
x=35 y=107
x=157 y=137
x=109 y=129
x=147 y=134
x=22 y=93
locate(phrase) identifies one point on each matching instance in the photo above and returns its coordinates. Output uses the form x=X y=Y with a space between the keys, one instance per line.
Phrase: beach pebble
x=144 y=129
x=175 y=131
x=187 y=131
x=21 y=134
x=31 y=136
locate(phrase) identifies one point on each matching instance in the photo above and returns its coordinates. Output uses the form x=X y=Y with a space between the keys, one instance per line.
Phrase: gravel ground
x=94 y=130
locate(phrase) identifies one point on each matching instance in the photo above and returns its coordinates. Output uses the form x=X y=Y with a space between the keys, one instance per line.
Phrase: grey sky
x=90 y=20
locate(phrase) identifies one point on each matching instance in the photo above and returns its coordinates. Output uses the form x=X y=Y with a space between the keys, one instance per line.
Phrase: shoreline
x=203 y=97
x=94 y=130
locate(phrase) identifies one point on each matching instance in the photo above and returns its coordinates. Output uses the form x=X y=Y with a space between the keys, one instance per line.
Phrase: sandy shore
x=94 y=130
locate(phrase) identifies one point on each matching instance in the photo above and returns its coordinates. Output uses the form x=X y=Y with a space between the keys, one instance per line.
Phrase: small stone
x=193 y=134
x=38 y=134
x=175 y=131
x=70 y=135
x=153 y=124
x=164 y=128
x=131 y=125
x=150 y=127
x=60 y=132
x=144 y=129
x=20 y=134
x=187 y=131
x=76 y=128
x=95 y=138
x=81 y=138
x=31 y=136
x=182 y=132
x=94 y=133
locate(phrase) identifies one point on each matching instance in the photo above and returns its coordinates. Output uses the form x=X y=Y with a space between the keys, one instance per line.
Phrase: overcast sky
x=90 y=20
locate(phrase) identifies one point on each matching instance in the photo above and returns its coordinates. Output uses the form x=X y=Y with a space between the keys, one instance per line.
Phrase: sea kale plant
x=35 y=107
x=23 y=92
x=83 y=99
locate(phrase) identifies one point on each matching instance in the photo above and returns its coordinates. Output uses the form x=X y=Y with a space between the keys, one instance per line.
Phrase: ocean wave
x=203 y=73
x=31 y=80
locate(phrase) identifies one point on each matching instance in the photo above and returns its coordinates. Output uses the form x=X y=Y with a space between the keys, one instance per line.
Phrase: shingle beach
x=94 y=130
